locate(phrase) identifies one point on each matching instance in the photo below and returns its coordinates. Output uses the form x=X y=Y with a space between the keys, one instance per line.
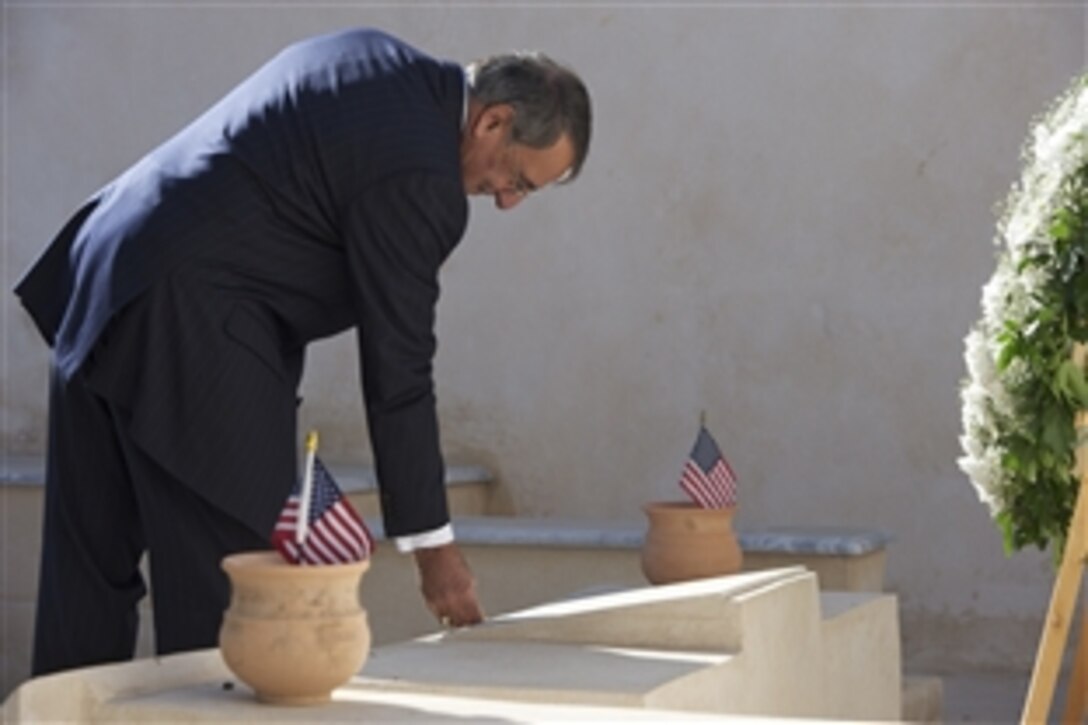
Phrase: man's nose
x=506 y=200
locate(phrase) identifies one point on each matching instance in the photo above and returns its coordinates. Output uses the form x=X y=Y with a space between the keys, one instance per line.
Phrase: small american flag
x=707 y=477
x=336 y=533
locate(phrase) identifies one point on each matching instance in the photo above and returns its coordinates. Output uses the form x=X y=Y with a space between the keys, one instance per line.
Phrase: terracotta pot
x=685 y=542
x=293 y=633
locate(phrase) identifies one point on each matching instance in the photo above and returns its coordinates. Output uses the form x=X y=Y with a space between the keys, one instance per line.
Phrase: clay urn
x=293 y=633
x=685 y=541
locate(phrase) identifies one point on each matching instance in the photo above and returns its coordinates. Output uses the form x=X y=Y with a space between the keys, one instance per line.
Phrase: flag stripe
x=326 y=542
x=347 y=530
x=711 y=491
x=724 y=483
x=697 y=486
x=334 y=531
x=356 y=527
x=319 y=547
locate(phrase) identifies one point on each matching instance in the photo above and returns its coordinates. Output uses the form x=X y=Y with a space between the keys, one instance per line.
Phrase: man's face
x=491 y=164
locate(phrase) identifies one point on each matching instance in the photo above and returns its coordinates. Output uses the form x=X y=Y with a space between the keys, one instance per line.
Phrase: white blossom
x=1056 y=149
x=987 y=476
x=980 y=364
x=1009 y=297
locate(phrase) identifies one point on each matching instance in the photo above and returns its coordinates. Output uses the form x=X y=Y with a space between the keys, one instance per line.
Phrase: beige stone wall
x=785 y=221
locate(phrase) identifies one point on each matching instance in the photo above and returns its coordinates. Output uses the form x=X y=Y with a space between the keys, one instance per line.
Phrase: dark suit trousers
x=106 y=503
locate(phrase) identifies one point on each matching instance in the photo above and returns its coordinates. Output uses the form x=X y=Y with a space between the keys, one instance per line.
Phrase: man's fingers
x=459 y=610
x=449 y=588
x=465 y=612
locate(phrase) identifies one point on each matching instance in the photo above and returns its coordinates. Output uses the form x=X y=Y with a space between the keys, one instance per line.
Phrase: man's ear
x=494 y=119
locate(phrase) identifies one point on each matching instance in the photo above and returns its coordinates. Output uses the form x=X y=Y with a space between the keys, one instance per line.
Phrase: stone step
x=469 y=489
x=468 y=486
x=757 y=643
x=844 y=559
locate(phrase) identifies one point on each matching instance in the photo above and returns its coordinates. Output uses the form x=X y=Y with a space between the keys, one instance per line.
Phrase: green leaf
x=1078 y=384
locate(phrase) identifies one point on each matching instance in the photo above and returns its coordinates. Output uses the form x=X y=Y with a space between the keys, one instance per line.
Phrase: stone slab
x=755 y=643
x=190 y=688
x=698 y=616
x=533 y=671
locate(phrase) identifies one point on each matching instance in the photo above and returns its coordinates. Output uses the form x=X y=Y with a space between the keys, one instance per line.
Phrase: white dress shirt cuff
x=425 y=539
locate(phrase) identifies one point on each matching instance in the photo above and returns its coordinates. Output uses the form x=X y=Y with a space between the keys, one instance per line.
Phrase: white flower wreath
x=1022 y=390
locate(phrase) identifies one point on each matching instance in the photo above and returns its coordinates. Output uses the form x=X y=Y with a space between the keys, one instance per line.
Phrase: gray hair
x=548 y=100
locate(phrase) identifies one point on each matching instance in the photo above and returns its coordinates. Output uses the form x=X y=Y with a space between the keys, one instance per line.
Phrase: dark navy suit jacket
x=322 y=193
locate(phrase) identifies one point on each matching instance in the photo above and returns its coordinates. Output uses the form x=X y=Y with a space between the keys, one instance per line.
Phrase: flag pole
x=702 y=418
x=303 y=525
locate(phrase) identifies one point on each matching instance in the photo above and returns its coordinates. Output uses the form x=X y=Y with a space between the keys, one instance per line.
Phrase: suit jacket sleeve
x=47 y=288
x=398 y=233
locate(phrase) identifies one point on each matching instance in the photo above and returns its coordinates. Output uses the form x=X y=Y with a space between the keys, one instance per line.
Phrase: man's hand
x=448 y=586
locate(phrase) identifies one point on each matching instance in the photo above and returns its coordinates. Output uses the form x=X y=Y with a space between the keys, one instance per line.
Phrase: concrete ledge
x=582 y=533
x=550 y=532
x=843 y=559
x=22 y=471
x=352 y=477
x=818 y=540
x=556 y=532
